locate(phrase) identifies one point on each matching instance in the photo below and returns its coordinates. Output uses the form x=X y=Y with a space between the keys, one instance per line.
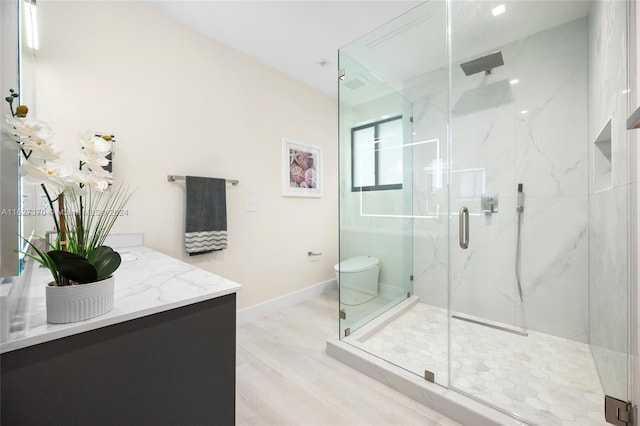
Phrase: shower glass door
x=375 y=197
x=537 y=268
x=396 y=78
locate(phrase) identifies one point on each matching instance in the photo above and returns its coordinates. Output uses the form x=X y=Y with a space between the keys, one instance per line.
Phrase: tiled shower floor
x=543 y=379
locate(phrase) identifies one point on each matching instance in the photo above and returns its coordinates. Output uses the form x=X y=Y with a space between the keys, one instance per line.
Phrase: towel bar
x=173 y=178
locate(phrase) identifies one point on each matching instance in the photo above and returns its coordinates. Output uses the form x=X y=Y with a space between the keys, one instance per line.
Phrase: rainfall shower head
x=485 y=63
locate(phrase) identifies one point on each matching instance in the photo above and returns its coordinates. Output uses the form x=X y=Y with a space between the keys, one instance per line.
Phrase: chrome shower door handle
x=463 y=228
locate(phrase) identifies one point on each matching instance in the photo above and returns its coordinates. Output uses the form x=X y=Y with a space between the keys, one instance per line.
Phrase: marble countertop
x=146 y=283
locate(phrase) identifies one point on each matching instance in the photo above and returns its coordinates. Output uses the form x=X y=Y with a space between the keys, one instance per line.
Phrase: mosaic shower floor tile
x=543 y=379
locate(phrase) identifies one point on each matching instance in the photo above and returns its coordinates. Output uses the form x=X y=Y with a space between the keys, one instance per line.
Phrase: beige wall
x=180 y=103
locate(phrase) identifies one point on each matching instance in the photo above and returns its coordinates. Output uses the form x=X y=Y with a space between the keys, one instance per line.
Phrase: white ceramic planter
x=79 y=302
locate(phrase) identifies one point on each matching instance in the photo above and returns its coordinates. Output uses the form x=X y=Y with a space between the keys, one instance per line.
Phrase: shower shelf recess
x=602 y=167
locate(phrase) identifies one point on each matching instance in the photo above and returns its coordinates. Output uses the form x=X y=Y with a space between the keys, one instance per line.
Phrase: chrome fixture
x=515 y=330
x=485 y=63
x=519 y=211
x=489 y=203
x=463 y=230
x=173 y=178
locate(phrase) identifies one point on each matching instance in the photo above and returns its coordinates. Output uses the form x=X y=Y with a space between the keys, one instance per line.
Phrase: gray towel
x=206 y=219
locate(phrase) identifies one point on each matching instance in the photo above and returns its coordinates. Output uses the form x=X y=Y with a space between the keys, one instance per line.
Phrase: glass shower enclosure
x=484 y=169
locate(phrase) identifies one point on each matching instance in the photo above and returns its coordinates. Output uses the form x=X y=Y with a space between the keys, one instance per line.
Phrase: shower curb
x=450 y=403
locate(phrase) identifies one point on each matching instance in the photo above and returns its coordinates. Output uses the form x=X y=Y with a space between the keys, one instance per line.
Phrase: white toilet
x=358 y=279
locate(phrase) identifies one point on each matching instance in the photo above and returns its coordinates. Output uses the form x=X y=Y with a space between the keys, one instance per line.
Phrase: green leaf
x=59 y=256
x=43 y=258
x=73 y=266
x=78 y=270
x=107 y=263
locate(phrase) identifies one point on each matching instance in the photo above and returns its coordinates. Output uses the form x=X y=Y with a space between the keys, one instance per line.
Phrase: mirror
x=9 y=183
x=21 y=207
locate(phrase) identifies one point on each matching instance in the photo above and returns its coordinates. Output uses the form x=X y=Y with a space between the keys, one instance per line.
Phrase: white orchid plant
x=88 y=206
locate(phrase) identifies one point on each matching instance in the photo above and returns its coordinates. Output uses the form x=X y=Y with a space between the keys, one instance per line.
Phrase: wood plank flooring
x=284 y=377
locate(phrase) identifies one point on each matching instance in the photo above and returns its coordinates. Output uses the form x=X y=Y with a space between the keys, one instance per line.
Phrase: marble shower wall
x=496 y=146
x=609 y=201
x=430 y=199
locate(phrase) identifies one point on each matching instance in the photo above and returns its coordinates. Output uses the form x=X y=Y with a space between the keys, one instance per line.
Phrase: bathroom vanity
x=165 y=355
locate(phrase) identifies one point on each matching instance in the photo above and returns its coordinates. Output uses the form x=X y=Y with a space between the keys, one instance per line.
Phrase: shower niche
x=521 y=311
x=602 y=170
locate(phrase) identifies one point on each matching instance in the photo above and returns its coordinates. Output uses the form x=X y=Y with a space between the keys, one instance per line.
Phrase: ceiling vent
x=356 y=82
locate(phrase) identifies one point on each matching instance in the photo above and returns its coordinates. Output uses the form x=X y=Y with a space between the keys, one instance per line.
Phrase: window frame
x=376 y=163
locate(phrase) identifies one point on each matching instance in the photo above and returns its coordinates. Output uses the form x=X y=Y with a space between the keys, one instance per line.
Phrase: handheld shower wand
x=519 y=211
x=520 y=203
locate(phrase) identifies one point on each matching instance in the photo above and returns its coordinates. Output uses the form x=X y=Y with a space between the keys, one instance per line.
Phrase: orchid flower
x=41 y=172
x=96 y=145
x=21 y=129
x=85 y=209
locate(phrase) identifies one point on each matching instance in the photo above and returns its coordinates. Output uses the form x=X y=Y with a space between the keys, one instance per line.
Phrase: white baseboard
x=273 y=305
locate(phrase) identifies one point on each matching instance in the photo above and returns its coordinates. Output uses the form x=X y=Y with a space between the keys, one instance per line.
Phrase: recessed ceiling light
x=524 y=111
x=498 y=10
x=514 y=81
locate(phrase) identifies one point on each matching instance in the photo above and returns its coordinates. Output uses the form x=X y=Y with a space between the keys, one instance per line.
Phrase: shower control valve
x=489 y=202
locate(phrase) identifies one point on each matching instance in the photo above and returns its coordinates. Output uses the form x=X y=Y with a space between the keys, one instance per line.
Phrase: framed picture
x=301 y=169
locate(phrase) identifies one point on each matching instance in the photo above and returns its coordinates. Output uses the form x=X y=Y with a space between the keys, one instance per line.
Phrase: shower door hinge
x=341 y=74
x=411 y=119
x=617 y=412
x=343 y=314
x=411 y=278
x=347 y=332
x=429 y=376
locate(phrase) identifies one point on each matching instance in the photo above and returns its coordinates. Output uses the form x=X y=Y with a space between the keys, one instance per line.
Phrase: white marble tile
x=545 y=45
x=542 y=379
x=607 y=80
x=552 y=156
x=608 y=230
x=546 y=150
x=608 y=302
x=554 y=267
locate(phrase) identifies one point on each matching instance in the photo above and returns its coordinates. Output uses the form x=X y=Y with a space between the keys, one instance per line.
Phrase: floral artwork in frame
x=301 y=169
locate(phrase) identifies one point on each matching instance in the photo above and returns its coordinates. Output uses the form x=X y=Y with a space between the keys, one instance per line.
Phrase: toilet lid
x=357 y=264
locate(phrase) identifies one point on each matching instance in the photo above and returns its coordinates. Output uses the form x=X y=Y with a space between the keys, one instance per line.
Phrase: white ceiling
x=295 y=36
x=290 y=36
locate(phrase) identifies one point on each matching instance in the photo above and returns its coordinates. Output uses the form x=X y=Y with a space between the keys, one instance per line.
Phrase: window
x=376 y=155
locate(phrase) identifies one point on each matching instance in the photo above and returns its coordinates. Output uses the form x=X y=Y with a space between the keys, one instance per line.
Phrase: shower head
x=484 y=63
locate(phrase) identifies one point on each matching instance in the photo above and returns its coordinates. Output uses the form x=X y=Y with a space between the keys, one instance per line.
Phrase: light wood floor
x=284 y=377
